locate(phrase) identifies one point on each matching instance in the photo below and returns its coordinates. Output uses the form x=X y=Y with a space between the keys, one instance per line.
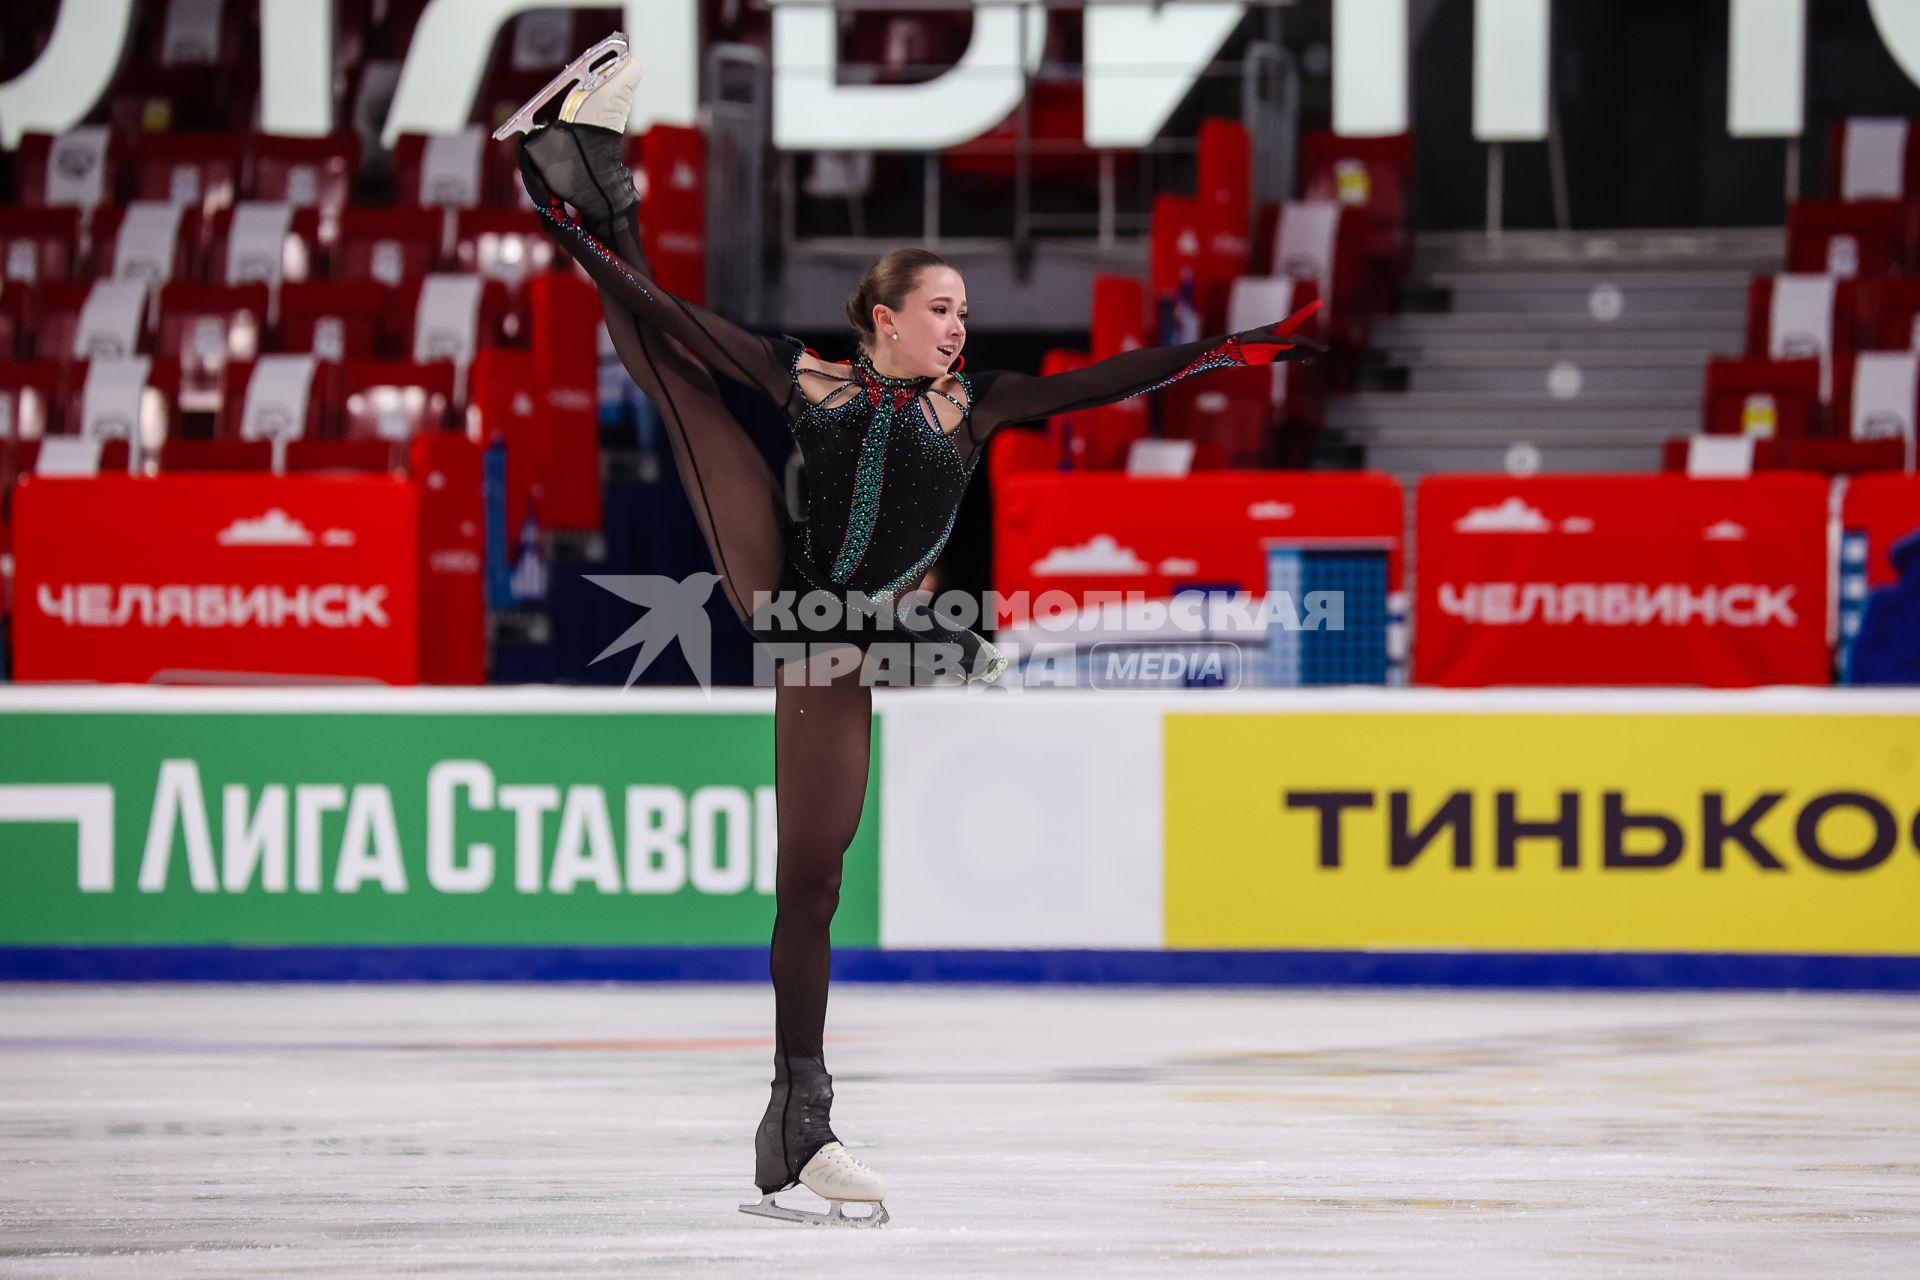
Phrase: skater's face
x=931 y=322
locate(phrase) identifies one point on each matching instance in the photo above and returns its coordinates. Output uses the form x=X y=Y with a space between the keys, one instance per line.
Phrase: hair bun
x=887 y=282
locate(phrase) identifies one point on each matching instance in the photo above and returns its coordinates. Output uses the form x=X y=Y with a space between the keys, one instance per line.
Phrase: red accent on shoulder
x=959 y=363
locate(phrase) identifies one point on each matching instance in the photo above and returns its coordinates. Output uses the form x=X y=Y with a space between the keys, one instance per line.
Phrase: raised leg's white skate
x=607 y=61
x=836 y=1177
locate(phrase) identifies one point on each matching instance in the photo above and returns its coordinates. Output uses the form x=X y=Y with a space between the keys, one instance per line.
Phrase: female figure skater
x=888 y=443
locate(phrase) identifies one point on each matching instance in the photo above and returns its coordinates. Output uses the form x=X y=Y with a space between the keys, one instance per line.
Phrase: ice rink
x=568 y=1131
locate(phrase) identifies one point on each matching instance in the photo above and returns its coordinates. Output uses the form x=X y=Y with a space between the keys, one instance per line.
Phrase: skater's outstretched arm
x=1002 y=398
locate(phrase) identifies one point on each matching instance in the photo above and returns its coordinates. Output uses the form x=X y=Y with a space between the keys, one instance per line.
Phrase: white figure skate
x=835 y=1176
x=608 y=66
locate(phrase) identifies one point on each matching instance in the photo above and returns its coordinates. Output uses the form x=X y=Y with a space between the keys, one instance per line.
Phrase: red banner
x=190 y=576
x=1886 y=507
x=1082 y=532
x=1655 y=579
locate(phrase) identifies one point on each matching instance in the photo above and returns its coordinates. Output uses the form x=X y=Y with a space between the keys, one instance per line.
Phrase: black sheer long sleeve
x=1003 y=398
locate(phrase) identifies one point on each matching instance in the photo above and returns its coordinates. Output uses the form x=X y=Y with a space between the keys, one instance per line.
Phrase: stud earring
x=894 y=336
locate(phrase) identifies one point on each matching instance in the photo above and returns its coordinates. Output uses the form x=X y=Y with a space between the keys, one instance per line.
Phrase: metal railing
x=920 y=194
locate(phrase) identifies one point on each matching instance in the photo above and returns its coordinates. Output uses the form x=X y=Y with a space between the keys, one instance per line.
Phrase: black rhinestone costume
x=887 y=461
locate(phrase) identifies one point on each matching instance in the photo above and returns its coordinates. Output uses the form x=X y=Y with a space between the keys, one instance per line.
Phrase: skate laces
x=845 y=1160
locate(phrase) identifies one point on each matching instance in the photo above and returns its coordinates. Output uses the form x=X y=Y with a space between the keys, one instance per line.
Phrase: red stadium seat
x=1795 y=316
x=1877 y=403
x=395 y=400
x=1823 y=457
x=39 y=245
x=229 y=262
x=216 y=455
x=336 y=319
x=1225 y=195
x=148 y=420
x=307 y=172
x=16 y=313
x=32 y=399
x=1299 y=390
x=495 y=321
x=392 y=246
x=204 y=326
x=81 y=167
x=1895 y=324
x=1873 y=159
x=1720 y=456
x=1837 y=238
x=1846 y=457
x=528 y=54
x=673 y=214
x=502 y=244
x=452 y=171
x=124 y=246
x=1118 y=324
x=269 y=417
x=1369 y=175
x=1175 y=250
x=1765 y=398
x=203 y=170
x=112 y=457
x=56 y=335
x=1120 y=316
x=1228 y=410
x=1321 y=242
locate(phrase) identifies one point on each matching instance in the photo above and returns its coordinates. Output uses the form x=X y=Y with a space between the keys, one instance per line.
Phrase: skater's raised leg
x=739 y=505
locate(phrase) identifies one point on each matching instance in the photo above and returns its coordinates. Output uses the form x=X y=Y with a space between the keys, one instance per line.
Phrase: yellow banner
x=1796 y=834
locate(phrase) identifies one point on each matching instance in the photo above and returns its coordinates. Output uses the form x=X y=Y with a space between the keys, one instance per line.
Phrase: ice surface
x=575 y=1131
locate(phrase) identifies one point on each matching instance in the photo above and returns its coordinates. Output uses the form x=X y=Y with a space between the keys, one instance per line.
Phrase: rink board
x=1632 y=838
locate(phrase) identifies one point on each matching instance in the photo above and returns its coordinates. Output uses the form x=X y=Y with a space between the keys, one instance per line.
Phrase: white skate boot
x=838 y=1178
x=575 y=156
x=599 y=85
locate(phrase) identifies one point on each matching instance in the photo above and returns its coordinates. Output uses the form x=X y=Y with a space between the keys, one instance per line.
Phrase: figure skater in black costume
x=888 y=443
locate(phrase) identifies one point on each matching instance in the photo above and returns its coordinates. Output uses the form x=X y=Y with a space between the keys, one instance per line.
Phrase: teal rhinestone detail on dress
x=867 y=481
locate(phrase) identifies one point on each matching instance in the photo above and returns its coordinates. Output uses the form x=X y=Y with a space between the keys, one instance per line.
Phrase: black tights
x=822 y=734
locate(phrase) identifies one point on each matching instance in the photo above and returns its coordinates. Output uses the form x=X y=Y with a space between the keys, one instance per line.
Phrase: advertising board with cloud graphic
x=1599 y=580
x=213 y=577
x=1093 y=532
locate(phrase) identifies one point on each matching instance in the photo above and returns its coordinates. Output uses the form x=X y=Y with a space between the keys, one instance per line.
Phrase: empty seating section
x=1216 y=264
x=205 y=261
x=181 y=292
x=1827 y=380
